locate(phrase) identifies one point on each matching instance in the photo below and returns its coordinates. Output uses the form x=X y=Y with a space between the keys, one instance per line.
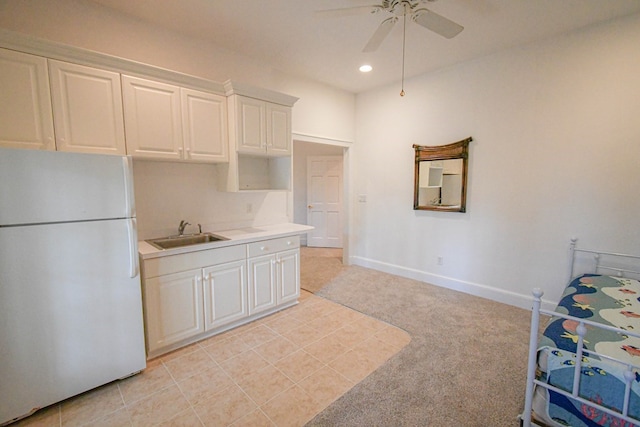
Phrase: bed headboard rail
x=623 y=265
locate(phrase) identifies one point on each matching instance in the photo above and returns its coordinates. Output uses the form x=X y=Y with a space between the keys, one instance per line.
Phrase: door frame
x=347 y=158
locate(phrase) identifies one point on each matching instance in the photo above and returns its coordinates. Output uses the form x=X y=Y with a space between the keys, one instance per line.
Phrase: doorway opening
x=319 y=182
x=318 y=192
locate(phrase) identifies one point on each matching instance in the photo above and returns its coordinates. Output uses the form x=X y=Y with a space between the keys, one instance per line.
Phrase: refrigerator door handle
x=134 y=266
x=130 y=205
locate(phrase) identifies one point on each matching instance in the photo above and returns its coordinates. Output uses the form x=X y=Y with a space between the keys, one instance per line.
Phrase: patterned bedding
x=611 y=301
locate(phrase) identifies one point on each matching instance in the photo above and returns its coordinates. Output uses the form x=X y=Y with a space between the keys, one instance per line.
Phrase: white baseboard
x=476 y=289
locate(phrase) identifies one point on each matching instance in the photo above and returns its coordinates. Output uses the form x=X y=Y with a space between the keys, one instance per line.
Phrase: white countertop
x=235 y=237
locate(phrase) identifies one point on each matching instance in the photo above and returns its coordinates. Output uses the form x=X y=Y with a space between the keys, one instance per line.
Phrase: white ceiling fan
x=405 y=9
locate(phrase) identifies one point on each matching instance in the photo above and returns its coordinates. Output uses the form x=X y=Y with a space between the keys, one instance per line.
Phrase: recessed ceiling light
x=366 y=68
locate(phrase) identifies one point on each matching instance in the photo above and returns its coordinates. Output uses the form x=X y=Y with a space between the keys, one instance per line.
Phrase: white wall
x=556 y=154
x=168 y=192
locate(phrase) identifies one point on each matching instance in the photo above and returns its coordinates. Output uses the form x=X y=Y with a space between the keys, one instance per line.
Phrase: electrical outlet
x=362 y=198
x=440 y=260
x=249 y=207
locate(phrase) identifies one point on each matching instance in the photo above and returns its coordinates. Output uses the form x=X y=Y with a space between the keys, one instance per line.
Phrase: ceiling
x=289 y=36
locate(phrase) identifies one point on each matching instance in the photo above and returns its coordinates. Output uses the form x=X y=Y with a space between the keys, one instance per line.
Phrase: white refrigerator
x=70 y=296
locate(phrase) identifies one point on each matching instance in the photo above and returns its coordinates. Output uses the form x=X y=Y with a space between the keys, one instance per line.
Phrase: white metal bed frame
x=532 y=382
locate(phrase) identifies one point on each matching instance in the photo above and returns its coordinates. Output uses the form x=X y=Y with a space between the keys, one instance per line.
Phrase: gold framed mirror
x=440 y=177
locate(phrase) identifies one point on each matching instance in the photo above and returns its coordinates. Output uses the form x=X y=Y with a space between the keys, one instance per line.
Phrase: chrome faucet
x=182 y=226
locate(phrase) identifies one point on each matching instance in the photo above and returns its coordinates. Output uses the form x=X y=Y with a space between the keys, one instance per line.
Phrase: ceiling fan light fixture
x=405 y=9
x=365 y=68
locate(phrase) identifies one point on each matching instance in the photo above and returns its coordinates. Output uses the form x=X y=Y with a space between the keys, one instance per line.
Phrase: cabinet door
x=262 y=283
x=278 y=130
x=173 y=306
x=288 y=276
x=26 y=119
x=225 y=293
x=204 y=121
x=251 y=125
x=153 y=119
x=87 y=105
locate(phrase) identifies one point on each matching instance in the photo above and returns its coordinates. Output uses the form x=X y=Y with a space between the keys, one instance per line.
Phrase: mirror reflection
x=440 y=177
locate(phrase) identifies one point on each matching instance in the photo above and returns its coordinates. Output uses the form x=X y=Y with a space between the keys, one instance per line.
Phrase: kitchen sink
x=185 y=240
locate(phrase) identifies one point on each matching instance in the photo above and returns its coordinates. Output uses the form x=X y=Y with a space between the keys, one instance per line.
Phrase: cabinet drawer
x=272 y=246
x=187 y=261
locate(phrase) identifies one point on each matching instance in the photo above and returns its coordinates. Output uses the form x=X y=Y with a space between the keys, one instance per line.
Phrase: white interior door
x=324 y=201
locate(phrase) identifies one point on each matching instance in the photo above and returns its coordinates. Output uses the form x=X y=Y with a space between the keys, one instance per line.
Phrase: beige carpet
x=465 y=365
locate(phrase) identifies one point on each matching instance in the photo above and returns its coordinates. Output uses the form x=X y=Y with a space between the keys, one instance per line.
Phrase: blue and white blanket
x=603 y=299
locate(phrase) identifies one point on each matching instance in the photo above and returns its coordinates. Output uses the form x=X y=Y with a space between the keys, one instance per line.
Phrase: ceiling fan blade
x=349 y=11
x=381 y=33
x=437 y=23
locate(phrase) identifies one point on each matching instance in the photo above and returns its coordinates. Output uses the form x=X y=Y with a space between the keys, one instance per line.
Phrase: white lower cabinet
x=173 y=306
x=274 y=273
x=262 y=283
x=225 y=294
x=190 y=294
x=197 y=294
x=288 y=275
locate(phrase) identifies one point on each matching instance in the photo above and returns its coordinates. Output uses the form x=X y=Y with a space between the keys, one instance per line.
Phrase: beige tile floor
x=278 y=371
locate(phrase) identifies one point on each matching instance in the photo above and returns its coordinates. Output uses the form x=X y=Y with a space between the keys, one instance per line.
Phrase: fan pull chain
x=404 y=37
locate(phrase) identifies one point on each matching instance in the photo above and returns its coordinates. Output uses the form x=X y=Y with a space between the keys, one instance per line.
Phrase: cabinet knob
x=310 y=206
x=262 y=248
x=289 y=243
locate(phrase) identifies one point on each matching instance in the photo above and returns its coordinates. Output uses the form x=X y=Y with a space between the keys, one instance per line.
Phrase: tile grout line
x=311 y=308
x=294 y=382
x=182 y=393
x=124 y=403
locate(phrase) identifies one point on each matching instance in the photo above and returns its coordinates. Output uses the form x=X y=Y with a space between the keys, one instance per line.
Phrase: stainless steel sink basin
x=187 y=240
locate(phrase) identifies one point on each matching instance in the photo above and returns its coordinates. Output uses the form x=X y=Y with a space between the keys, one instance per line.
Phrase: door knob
x=310 y=206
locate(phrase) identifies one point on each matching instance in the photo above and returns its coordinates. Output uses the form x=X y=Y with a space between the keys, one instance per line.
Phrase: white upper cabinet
x=204 y=126
x=153 y=119
x=164 y=121
x=87 y=102
x=278 y=130
x=262 y=128
x=259 y=140
x=26 y=119
x=87 y=105
x=250 y=124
